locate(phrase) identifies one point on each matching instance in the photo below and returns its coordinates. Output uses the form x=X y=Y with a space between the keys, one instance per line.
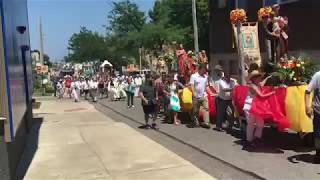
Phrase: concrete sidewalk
x=77 y=142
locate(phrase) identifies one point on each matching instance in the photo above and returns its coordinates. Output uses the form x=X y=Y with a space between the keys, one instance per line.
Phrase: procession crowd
x=203 y=97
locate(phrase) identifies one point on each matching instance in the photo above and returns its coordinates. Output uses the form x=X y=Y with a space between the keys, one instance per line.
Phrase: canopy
x=106 y=62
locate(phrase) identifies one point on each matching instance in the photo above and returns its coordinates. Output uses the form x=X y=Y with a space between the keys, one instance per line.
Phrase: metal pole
x=41 y=43
x=42 y=85
x=195 y=26
x=240 y=51
x=140 y=59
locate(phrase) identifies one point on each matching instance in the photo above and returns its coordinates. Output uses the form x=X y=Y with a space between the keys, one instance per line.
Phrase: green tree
x=46 y=60
x=123 y=39
x=178 y=14
x=125 y=17
x=86 y=45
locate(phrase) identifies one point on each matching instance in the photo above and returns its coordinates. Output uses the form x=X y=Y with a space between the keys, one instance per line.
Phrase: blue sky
x=62 y=18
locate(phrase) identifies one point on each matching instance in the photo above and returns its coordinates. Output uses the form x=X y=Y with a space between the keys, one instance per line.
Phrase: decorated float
x=288 y=77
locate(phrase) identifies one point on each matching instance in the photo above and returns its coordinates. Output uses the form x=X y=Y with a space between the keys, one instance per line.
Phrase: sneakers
x=205 y=125
x=155 y=126
x=193 y=125
x=218 y=129
x=132 y=106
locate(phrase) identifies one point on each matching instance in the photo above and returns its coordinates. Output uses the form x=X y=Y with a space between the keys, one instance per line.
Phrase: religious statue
x=276 y=34
x=161 y=65
x=203 y=59
x=182 y=56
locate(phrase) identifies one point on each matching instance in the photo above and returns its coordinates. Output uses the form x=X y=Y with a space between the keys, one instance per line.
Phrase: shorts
x=149 y=109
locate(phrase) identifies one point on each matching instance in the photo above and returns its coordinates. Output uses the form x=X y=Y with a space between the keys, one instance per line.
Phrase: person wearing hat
x=217 y=75
x=255 y=124
x=224 y=102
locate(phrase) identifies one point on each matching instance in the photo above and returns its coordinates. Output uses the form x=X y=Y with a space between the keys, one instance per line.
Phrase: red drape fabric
x=239 y=95
x=271 y=107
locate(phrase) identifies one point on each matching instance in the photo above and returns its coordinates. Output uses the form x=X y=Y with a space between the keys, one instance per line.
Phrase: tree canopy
x=86 y=45
x=129 y=29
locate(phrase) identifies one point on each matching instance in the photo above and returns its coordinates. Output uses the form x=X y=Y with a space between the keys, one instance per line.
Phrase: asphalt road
x=221 y=154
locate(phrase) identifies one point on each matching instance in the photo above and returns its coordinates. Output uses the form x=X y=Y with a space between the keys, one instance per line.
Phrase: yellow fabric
x=186 y=99
x=295 y=109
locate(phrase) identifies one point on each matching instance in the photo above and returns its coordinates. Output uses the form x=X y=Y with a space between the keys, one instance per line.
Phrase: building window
x=272 y=2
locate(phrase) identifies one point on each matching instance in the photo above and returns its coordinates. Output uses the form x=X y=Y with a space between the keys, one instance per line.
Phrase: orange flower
x=238 y=15
x=264 y=12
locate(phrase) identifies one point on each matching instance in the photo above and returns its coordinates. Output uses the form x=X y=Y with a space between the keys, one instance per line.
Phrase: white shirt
x=175 y=77
x=314 y=85
x=224 y=85
x=93 y=84
x=200 y=84
x=138 y=81
x=75 y=85
x=84 y=85
x=315 y=82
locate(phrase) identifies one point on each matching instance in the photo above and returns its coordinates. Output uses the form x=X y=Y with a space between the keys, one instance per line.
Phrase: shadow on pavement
x=275 y=142
x=30 y=148
x=307 y=158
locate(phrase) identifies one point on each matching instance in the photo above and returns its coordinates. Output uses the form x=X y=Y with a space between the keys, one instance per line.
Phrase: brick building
x=302 y=34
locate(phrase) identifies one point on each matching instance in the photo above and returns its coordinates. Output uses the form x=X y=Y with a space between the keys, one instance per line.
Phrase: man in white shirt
x=314 y=86
x=85 y=86
x=75 y=86
x=224 y=102
x=93 y=86
x=199 y=82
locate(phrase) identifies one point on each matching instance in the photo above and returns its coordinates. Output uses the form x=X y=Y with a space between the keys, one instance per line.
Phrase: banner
x=250 y=42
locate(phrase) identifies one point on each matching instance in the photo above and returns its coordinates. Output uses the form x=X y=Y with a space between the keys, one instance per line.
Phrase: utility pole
x=140 y=59
x=41 y=43
x=195 y=26
x=240 y=51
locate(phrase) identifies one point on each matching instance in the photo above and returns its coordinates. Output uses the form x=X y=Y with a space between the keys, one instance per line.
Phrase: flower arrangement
x=170 y=60
x=264 y=12
x=295 y=71
x=238 y=15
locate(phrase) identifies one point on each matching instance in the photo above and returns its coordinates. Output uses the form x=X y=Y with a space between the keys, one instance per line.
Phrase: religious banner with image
x=250 y=42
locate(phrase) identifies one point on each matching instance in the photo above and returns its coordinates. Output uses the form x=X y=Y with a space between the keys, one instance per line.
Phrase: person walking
x=85 y=86
x=130 y=92
x=198 y=82
x=174 y=102
x=55 y=82
x=148 y=98
x=75 y=88
x=255 y=124
x=138 y=82
x=160 y=93
x=93 y=86
x=224 y=103
x=68 y=82
x=314 y=110
x=60 y=89
x=101 y=88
